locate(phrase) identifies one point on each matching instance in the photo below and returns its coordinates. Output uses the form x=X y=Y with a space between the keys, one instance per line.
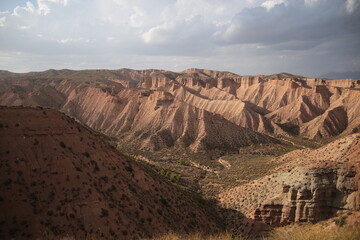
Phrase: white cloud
x=44 y=8
x=138 y=17
x=186 y=36
x=63 y=2
x=233 y=35
x=2 y=21
x=73 y=40
x=311 y=2
x=158 y=34
x=24 y=27
x=269 y=4
x=352 y=5
x=18 y=11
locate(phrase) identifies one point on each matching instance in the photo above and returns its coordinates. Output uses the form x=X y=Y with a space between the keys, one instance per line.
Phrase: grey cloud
x=293 y=25
x=239 y=36
x=184 y=37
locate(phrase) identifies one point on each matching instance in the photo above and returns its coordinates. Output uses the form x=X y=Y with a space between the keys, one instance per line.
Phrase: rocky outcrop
x=342 y=117
x=318 y=196
x=331 y=123
x=115 y=102
x=342 y=83
x=248 y=81
x=295 y=113
x=155 y=83
x=177 y=123
x=150 y=117
x=307 y=186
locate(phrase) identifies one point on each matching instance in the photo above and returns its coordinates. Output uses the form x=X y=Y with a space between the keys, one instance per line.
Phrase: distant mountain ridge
x=341 y=75
x=196 y=108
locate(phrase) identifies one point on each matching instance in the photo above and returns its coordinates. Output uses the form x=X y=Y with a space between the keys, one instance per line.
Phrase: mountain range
x=156 y=109
x=136 y=154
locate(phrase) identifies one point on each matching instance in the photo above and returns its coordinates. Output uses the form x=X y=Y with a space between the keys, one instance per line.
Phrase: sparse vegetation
x=129 y=169
x=292 y=232
x=315 y=232
x=340 y=221
x=62 y=144
x=184 y=162
x=104 y=213
x=172 y=176
x=251 y=163
x=86 y=154
x=197 y=236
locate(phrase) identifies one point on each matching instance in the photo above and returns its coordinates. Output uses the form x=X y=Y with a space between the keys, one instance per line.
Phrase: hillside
x=58 y=178
x=158 y=109
x=255 y=144
x=307 y=186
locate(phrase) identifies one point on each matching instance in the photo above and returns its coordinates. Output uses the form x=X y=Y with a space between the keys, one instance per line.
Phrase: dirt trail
x=225 y=163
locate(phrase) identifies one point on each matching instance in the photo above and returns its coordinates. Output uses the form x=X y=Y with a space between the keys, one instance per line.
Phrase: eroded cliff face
x=308 y=186
x=118 y=102
x=320 y=195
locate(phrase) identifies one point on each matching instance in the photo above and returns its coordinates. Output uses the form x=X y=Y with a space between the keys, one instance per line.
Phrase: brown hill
x=308 y=186
x=118 y=102
x=342 y=116
x=117 y=111
x=59 y=178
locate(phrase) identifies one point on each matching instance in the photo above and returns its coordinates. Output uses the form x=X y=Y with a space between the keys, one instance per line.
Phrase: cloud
x=2 y=21
x=311 y=3
x=295 y=23
x=137 y=18
x=19 y=11
x=252 y=36
x=269 y=4
x=43 y=7
x=352 y=5
x=187 y=31
x=73 y=40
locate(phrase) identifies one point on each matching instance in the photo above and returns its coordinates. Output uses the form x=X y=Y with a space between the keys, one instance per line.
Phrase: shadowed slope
x=115 y=102
x=58 y=178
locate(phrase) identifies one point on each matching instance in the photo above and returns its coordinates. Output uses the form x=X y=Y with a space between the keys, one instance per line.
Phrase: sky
x=248 y=37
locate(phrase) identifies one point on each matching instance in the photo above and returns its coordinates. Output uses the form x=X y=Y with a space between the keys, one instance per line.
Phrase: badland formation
x=134 y=154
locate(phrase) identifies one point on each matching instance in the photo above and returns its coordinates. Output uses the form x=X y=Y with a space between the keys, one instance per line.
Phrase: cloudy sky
x=308 y=37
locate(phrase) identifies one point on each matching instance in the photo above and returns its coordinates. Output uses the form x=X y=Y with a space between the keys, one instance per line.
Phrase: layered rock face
x=319 y=196
x=118 y=102
x=308 y=186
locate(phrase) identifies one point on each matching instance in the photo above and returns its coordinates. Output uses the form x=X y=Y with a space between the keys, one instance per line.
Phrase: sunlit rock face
x=318 y=196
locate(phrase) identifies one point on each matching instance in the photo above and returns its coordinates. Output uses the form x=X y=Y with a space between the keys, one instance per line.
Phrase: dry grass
x=291 y=232
x=316 y=232
x=196 y=236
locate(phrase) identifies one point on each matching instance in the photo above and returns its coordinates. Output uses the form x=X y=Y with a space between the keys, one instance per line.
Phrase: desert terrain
x=136 y=154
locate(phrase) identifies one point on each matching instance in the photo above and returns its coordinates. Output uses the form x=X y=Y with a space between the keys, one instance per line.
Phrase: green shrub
x=104 y=212
x=340 y=221
x=62 y=144
x=172 y=176
x=86 y=154
x=184 y=162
